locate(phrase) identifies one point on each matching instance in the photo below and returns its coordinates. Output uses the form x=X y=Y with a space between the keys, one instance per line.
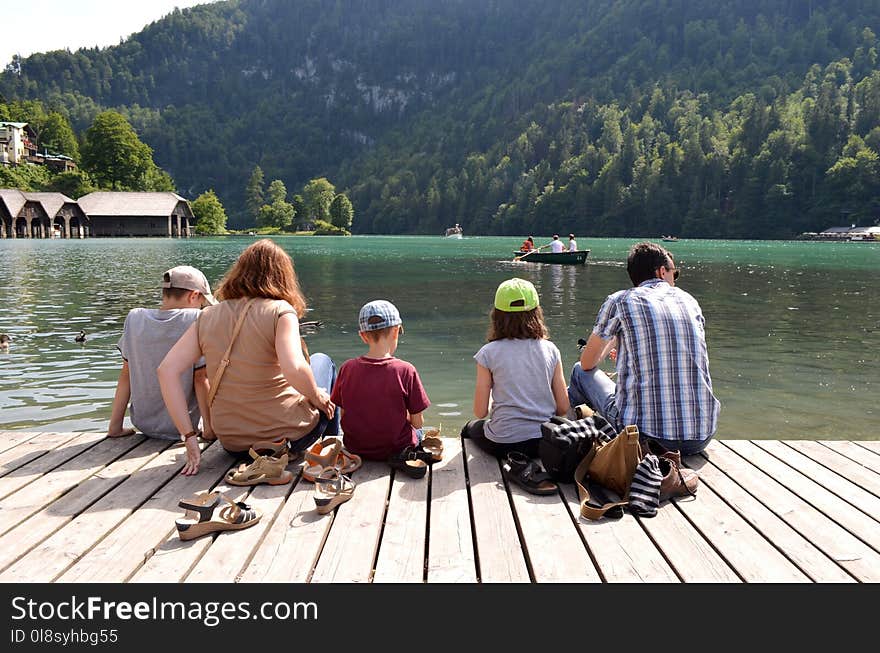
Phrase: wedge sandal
x=321 y=455
x=331 y=489
x=265 y=469
x=233 y=517
x=528 y=474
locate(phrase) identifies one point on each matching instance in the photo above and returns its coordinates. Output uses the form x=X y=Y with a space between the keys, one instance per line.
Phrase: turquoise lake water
x=793 y=328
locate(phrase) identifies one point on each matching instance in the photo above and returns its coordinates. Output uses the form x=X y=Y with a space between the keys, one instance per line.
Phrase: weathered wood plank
x=55 y=554
x=867 y=459
x=292 y=544
x=31 y=471
x=174 y=558
x=871 y=446
x=551 y=539
x=620 y=547
x=127 y=545
x=21 y=539
x=835 y=508
x=10 y=439
x=745 y=549
x=841 y=546
x=830 y=480
x=350 y=548
x=684 y=547
x=402 y=550
x=499 y=550
x=30 y=499
x=13 y=458
x=451 y=557
x=801 y=551
x=231 y=551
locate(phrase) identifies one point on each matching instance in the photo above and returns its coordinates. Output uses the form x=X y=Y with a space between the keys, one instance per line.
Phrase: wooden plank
x=690 y=555
x=10 y=439
x=350 y=549
x=127 y=545
x=18 y=506
x=871 y=446
x=231 y=551
x=838 y=510
x=499 y=550
x=13 y=458
x=48 y=560
x=21 y=539
x=31 y=471
x=803 y=553
x=292 y=544
x=174 y=558
x=402 y=552
x=451 y=557
x=621 y=548
x=551 y=539
x=864 y=457
x=838 y=482
x=744 y=548
x=841 y=546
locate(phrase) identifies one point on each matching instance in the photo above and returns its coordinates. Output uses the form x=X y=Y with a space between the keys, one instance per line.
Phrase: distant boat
x=453 y=232
x=578 y=257
x=670 y=239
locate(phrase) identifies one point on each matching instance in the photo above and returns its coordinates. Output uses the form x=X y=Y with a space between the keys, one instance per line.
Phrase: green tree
x=279 y=212
x=341 y=212
x=57 y=136
x=254 y=196
x=75 y=183
x=116 y=158
x=209 y=213
x=317 y=196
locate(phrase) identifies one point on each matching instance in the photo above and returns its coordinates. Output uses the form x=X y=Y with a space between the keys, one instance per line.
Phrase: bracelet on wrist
x=187 y=436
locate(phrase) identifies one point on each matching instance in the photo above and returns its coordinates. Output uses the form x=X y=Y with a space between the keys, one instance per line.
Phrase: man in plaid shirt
x=657 y=334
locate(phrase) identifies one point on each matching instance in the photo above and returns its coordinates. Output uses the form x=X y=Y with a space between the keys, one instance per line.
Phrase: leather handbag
x=611 y=465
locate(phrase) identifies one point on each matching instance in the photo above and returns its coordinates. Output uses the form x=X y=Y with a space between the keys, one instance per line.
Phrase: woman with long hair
x=262 y=386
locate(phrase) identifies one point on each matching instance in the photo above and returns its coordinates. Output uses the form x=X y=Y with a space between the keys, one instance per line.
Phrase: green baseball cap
x=516 y=295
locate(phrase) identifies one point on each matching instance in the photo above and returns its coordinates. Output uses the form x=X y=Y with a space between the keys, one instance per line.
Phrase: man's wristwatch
x=187 y=436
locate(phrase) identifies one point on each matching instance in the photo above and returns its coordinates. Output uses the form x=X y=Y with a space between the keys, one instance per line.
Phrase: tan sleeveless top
x=254 y=401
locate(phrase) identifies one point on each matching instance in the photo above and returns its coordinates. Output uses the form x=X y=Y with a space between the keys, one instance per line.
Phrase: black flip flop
x=528 y=474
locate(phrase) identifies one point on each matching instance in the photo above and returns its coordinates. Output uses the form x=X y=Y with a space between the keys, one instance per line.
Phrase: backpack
x=564 y=443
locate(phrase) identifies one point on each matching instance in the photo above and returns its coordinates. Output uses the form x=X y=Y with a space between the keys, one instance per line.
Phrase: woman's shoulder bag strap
x=224 y=362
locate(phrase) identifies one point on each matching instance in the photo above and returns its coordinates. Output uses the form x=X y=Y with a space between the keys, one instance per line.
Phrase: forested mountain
x=605 y=117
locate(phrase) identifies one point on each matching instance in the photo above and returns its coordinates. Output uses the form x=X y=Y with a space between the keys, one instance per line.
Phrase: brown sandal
x=234 y=517
x=265 y=469
x=324 y=453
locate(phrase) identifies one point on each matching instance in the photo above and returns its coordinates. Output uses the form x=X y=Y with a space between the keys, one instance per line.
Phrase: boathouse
x=40 y=215
x=137 y=214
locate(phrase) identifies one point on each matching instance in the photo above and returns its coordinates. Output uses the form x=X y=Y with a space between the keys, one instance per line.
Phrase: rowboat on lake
x=454 y=232
x=578 y=257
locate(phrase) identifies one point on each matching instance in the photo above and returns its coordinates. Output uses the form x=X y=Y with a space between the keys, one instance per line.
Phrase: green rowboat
x=578 y=257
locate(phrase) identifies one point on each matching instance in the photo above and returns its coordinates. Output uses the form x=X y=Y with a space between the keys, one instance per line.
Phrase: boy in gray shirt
x=147 y=337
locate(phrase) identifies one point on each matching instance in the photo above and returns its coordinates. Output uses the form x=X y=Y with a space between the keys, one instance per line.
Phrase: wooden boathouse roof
x=120 y=203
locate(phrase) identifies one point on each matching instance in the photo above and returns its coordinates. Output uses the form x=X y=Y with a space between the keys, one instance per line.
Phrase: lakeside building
x=116 y=213
x=108 y=214
x=40 y=215
x=18 y=141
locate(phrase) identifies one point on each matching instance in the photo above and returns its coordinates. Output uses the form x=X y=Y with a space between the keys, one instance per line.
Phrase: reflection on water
x=792 y=327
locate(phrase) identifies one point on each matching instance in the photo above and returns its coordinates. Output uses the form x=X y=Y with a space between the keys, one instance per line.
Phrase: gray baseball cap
x=188 y=278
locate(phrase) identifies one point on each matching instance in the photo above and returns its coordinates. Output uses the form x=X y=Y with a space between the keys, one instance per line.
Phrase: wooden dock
x=78 y=507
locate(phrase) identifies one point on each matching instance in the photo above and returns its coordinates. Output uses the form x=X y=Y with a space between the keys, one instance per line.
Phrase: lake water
x=793 y=328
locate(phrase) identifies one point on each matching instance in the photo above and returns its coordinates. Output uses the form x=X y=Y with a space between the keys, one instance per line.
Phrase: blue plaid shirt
x=663 y=383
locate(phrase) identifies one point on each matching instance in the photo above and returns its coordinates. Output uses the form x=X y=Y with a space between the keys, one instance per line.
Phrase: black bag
x=565 y=442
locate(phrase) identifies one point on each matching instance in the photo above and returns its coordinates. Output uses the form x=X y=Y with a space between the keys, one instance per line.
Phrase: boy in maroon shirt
x=381 y=397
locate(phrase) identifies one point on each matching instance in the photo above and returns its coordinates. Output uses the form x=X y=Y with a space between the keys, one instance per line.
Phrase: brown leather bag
x=612 y=466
